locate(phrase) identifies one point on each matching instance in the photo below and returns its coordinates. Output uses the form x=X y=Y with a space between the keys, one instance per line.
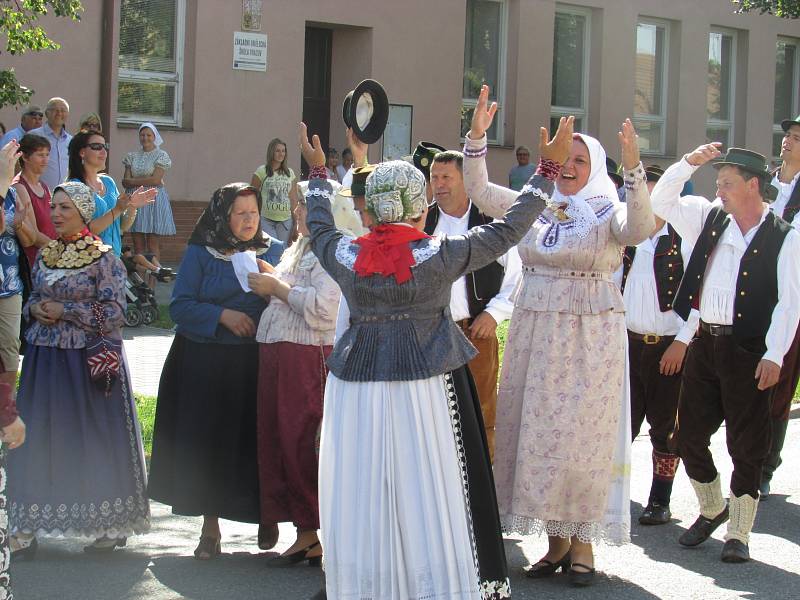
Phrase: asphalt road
x=159 y=566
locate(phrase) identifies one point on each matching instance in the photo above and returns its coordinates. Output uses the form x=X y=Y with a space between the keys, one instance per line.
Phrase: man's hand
x=671 y=361
x=358 y=148
x=13 y=435
x=483 y=326
x=704 y=153
x=767 y=373
x=483 y=115
x=238 y=323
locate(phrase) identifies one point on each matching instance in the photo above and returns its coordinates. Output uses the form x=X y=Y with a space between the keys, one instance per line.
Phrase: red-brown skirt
x=291 y=386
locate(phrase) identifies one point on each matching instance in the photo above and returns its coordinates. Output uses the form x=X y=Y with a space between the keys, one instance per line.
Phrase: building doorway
x=317 y=86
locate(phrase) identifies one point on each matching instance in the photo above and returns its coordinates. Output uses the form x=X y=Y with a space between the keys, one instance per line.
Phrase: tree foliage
x=19 y=25
x=786 y=9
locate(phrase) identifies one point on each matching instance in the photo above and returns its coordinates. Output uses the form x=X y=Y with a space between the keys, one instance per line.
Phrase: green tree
x=786 y=9
x=18 y=24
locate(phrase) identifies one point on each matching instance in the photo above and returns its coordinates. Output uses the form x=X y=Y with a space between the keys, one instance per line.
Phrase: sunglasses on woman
x=97 y=146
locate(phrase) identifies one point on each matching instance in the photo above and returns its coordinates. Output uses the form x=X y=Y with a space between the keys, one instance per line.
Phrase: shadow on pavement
x=59 y=571
x=557 y=587
x=778 y=517
x=705 y=559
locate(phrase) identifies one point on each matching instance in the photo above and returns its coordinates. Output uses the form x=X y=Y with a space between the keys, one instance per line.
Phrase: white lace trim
x=611 y=533
x=319 y=192
x=536 y=191
x=582 y=217
x=53 y=275
x=346 y=252
x=423 y=253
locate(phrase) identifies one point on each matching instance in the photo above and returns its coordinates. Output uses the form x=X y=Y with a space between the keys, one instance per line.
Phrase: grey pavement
x=159 y=565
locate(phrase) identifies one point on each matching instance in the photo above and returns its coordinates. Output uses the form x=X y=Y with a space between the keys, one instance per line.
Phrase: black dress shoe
x=702 y=529
x=655 y=514
x=735 y=551
x=546 y=568
x=26 y=550
x=287 y=560
x=581 y=578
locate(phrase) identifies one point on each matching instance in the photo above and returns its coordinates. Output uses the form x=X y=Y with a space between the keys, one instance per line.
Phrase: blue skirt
x=155 y=217
x=81 y=469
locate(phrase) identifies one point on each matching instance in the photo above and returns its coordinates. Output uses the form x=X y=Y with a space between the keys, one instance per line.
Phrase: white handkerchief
x=244 y=263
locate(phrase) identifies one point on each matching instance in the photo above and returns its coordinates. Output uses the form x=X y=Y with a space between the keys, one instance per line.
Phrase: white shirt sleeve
x=689 y=328
x=686 y=214
x=502 y=305
x=786 y=314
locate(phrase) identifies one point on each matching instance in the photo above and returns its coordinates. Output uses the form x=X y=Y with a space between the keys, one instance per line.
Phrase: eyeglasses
x=97 y=146
x=34 y=114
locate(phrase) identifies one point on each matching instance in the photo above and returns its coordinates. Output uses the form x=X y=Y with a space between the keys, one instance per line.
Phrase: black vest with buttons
x=667 y=267
x=483 y=284
x=756 y=284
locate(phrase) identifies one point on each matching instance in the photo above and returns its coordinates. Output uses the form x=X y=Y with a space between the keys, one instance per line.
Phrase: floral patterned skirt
x=560 y=414
x=81 y=470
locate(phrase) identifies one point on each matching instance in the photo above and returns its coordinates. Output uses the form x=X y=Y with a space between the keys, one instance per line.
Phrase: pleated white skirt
x=393 y=513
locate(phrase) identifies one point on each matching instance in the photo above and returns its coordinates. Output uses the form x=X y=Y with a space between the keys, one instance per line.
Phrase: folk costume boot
x=774 y=457
x=713 y=512
x=743 y=514
x=657 y=510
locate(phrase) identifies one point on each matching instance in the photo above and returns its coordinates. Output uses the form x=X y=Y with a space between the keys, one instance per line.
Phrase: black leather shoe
x=735 y=551
x=287 y=560
x=702 y=529
x=655 y=514
x=546 y=568
x=581 y=578
x=26 y=550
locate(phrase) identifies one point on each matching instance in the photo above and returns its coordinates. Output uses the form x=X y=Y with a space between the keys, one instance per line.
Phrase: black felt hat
x=613 y=171
x=366 y=110
x=653 y=173
x=787 y=123
x=423 y=157
x=752 y=162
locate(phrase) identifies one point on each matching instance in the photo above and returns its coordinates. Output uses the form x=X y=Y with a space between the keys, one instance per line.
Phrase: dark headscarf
x=212 y=228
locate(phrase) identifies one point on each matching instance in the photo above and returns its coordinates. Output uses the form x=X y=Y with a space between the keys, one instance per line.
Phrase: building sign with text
x=249 y=51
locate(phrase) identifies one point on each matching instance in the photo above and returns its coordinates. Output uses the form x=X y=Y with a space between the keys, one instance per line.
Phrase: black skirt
x=205 y=459
x=477 y=470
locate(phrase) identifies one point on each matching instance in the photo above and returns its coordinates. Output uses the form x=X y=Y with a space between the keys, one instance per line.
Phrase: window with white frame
x=570 y=66
x=484 y=61
x=150 y=74
x=650 y=83
x=721 y=86
x=787 y=82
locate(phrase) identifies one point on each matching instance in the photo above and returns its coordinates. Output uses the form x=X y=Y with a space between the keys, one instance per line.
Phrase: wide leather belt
x=716 y=330
x=650 y=338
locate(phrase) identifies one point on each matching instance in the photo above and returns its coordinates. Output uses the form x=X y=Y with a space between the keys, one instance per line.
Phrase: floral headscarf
x=213 y=228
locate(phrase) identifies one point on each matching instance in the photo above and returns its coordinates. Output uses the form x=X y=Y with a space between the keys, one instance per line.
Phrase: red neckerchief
x=385 y=251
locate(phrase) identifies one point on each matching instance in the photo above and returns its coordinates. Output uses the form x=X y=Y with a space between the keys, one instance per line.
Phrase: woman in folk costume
x=82 y=472
x=563 y=450
x=407 y=502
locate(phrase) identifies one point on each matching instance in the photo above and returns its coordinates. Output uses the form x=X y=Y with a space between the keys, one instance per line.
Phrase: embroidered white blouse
x=687 y=215
x=642 y=310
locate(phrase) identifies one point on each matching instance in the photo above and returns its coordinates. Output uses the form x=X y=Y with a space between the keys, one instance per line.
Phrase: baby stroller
x=142 y=306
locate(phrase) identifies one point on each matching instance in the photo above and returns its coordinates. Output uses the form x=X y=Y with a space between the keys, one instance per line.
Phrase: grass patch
x=164 y=321
x=146 y=408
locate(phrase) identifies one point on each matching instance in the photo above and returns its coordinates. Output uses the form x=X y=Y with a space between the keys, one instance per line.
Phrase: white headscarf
x=151 y=127
x=587 y=208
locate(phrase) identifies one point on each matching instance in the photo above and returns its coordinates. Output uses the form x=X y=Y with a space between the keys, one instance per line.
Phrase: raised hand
x=704 y=153
x=9 y=154
x=142 y=196
x=357 y=147
x=483 y=115
x=629 y=143
x=559 y=147
x=312 y=152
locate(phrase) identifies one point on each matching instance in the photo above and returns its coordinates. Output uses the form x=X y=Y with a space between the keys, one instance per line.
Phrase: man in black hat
x=480 y=301
x=657 y=343
x=744 y=279
x=422 y=159
x=787 y=205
